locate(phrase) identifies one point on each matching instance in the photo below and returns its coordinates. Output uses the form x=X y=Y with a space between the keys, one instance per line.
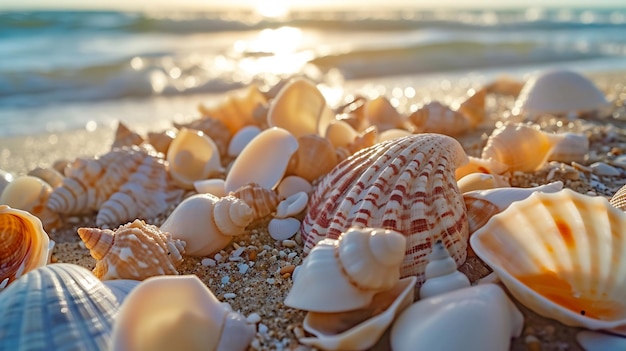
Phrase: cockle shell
x=618 y=200
x=406 y=185
x=571 y=148
x=435 y=117
x=263 y=201
x=213 y=128
x=208 y=223
x=123 y=184
x=193 y=156
x=31 y=194
x=237 y=109
x=483 y=317
x=300 y=108
x=125 y=137
x=178 y=312
x=441 y=273
x=480 y=165
x=135 y=250
x=23 y=244
x=562 y=255
x=241 y=139
x=358 y=265
x=359 y=329
x=520 y=146
x=57 y=307
x=314 y=158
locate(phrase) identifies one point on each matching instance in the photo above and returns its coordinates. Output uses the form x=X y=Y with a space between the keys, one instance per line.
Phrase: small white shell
x=192 y=156
x=441 y=273
x=283 y=228
x=595 y=341
x=292 y=205
x=602 y=169
x=293 y=184
x=241 y=139
x=215 y=186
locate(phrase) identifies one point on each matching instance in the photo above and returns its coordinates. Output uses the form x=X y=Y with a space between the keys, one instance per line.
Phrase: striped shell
x=406 y=185
x=133 y=251
x=435 y=117
x=57 y=307
x=263 y=201
x=618 y=200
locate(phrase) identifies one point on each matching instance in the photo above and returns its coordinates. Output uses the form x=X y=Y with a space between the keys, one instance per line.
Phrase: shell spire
x=231 y=216
x=441 y=273
x=97 y=241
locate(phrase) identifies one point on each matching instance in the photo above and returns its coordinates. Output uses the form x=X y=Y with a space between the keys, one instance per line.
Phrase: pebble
x=263 y=328
x=289 y=243
x=208 y=262
x=253 y=318
x=225 y=279
x=230 y=295
x=603 y=169
x=243 y=268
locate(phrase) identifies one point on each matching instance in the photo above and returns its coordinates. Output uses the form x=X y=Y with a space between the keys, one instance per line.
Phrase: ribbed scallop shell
x=23 y=244
x=133 y=251
x=406 y=185
x=263 y=201
x=435 y=117
x=57 y=307
x=314 y=158
x=562 y=255
x=618 y=200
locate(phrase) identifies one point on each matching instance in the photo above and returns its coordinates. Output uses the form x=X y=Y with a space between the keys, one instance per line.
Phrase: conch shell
x=133 y=251
x=441 y=273
x=358 y=265
x=263 y=201
x=24 y=244
x=208 y=223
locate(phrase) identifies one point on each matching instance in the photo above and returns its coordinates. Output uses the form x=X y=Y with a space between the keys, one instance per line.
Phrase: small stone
x=230 y=295
x=289 y=243
x=532 y=343
x=208 y=262
x=287 y=269
x=253 y=318
x=603 y=169
x=263 y=328
x=225 y=279
x=243 y=268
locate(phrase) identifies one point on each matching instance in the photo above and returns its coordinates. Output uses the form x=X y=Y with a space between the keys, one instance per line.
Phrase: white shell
x=602 y=169
x=441 y=273
x=595 y=341
x=263 y=161
x=283 y=228
x=241 y=139
x=293 y=184
x=292 y=205
x=178 y=312
x=192 y=156
x=562 y=255
x=559 y=92
x=215 y=186
x=359 y=329
x=31 y=194
x=478 y=318
x=571 y=148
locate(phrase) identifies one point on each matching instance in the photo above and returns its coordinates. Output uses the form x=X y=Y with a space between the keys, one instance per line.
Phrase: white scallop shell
x=562 y=255
x=214 y=186
x=283 y=228
x=292 y=205
x=293 y=184
x=441 y=273
x=241 y=139
x=192 y=156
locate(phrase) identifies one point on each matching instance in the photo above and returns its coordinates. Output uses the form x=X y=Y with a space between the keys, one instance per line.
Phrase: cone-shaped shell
x=31 y=194
x=263 y=201
x=167 y=313
x=562 y=255
x=133 y=251
x=193 y=156
x=314 y=158
x=435 y=117
x=23 y=244
x=361 y=263
x=406 y=185
x=618 y=200
x=441 y=273
x=208 y=223
x=125 y=137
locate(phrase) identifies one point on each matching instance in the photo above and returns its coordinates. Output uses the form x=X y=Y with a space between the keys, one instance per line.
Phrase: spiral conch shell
x=135 y=250
x=263 y=201
x=406 y=185
x=23 y=244
x=361 y=263
x=441 y=273
x=208 y=223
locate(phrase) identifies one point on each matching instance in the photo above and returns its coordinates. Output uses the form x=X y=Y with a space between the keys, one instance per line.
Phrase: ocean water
x=62 y=70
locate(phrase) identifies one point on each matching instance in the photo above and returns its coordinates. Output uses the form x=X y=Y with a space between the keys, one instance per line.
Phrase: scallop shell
x=358 y=265
x=520 y=146
x=237 y=109
x=435 y=117
x=406 y=185
x=213 y=128
x=441 y=273
x=480 y=165
x=178 y=312
x=23 y=244
x=31 y=194
x=125 y=137
x=57 y=307
x=314 y=158
x=571 y=148
x=561 y=255
x=161 y=140
x=618 y=200
x=133 y=251
x=428 y=322
x=263 y=201
x=559 y=92
x=208 y=223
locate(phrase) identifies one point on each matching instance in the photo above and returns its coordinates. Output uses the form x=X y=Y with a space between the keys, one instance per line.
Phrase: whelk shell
x=263 y=201
x=193 y=156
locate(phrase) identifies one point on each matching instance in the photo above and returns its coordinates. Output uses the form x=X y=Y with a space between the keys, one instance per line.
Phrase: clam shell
x=237 y=109
x=562 y=255
x=24 y=245
x=283 y=228
x=293 y=184
x=406 y=185
x=133 y=251
x=193 y=156
x=31 y=194
x=263 y=201
x=241 y=139
x=314 y=158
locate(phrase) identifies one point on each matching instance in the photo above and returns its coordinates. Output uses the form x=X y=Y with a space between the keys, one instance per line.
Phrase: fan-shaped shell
x=406 y=185
x=314 y=158
x=57 y=307
x=618 y=200
x=562 y=255
x=435 y=117
x=133 y=251
x=263 y=201
x=23 y=244
x=193 y=156
x=31 y=194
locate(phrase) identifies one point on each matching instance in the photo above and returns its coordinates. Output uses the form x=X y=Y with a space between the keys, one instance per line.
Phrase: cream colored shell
x=436 y=117
x=441 y=273
x=263 y=201
x=31 y=194
x=237 y=109
x=193 y=156
x=314 y=158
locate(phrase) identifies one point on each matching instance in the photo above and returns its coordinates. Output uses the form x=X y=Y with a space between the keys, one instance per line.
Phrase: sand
x=253 y=274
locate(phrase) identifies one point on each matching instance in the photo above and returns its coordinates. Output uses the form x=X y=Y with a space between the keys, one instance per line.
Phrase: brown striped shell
x=618 y=200
x=406 y=185
x=263 y=201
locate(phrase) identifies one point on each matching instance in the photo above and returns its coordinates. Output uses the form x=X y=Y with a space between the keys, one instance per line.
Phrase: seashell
x=135 y=251
x=473 y=108
x=435 y=117
x=559 y=92
x=5 y=179
x=595 y=341
x=161 y=141
x=618 y=200
x=263 y=161
x=480 y=165
x=237 y=109
x=57 y=307
x=358 y=265
x=561 y=255
x=441 y=273
x=213 y=128
x=521 y=147
x=406 y=185
x=193 y=156
x=178 y=312
x=314 y=158
x=340 y=133
x=482 y=181
x=381 y=113
x=483 y=204
x=49 y=175
x=505 y=85
x=263 y=201
x=427 y=322
x=603 y=169
x=215 y=186
x=393 y=133
x=293 y=184
x=121 y=288
x=208 y=223
x=125 y=137
x=24 y=245
x=283 y=228
x=31 y=194
x=61 y=165
x=292 y=205
x=241 y=139
x=359 y=329
x=364 y=140
x=571 y=148
x=137 y=173
x=300 y=108
x=353 y=113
